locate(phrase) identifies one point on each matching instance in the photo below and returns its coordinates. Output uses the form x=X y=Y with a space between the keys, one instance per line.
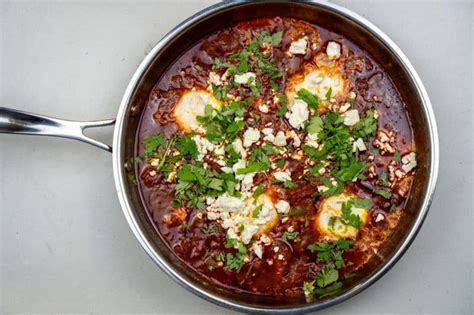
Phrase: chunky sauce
x=286 y=264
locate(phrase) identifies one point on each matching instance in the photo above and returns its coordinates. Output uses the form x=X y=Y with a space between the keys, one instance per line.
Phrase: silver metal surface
x=132 y=217
x=19 y=122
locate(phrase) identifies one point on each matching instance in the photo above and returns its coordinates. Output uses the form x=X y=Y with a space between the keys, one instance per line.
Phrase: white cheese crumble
x=229 y=203
x=333 y=50
x=248 y=232
x=359 y=145
x=282 y=206
x=203 y=145
x=251 y=136
x=282 y=176
x=280 y=139
x=299 y=113
x=312 y=140
x=245 y=78
x=379 y=217
x=214 y=78
x=258 y=250
x=409 y=162
x=239 y=148
x=263 y=108
x=351 y=117
x=298 y=47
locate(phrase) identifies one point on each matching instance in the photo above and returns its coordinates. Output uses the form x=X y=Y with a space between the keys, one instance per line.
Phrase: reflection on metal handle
x=18 y=122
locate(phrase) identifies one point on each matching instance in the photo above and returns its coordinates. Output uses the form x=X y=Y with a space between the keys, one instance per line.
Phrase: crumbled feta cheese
x=311 y=140
x=203 y=145
x=238 y=165
x=333 y=50
x=251 y=136
x=276 y=249
x=267 y=131
x=280 y=139
x=265 y=239
x=247 y=182
x=239 y=148
x=379 y=217
x=221 y=162
x=226 y=169
x=219 y=150
x=155 y=162
x=229 y=203
x=248 y=232
x=359 y=145
x=269 y=138
x=258 y=250
x=263 y=108
x=344 y=108
x=214 y=78
x=281 y=176
x=351 y=117
x=299 y=113
x=282 y=206
x=296 y=139
x=298 y=47
x=322 y=188
x=409 y=162
x=280 y=257
x=245 y=78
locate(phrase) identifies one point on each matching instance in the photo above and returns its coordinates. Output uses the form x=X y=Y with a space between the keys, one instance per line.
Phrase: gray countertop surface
x=65 y=246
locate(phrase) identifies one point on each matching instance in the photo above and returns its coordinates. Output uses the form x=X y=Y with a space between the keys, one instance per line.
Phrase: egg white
x=190 y=105
x=331 y=207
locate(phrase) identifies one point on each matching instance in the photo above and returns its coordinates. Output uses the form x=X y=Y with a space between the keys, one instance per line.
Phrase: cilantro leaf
x=311 y=99
x=315 y=125
x=152 y=143
x=187 y=146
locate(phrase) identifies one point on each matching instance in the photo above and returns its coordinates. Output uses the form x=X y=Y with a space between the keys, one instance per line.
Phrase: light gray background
x=65 y=246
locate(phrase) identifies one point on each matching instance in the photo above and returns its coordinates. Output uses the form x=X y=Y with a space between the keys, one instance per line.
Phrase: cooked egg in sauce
x=275 y=157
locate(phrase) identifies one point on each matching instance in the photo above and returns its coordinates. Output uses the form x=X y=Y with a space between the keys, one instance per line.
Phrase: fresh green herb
x=152 y=143
x=283 y=109
x=291 y=236
x=383 y=193
x=211 y=266
x=256 y=211
x=328 y=94
x=253 y=167
x=132 y=179
x=236 y=261
x=220 y=256
x=296 y=212
x=393 y=208
x=289 y=184
x=311 y=99
x=187 y=146
x=280 y=163
x=348 y=216
x=315 y=125
x=383 y=177
x=258 y=191
x=396 y=157
x=366 y=127
x=327 y=276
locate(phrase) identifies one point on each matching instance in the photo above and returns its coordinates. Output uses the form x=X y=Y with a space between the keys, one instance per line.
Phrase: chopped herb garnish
x=311 y=99
x=383 y=193
x=291 y=236
x=396 y=157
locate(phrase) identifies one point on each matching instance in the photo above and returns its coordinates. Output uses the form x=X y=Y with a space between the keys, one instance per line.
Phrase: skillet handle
x=19 y=122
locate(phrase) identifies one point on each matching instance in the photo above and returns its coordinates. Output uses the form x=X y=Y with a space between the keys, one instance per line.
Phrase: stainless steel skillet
x=328 y=15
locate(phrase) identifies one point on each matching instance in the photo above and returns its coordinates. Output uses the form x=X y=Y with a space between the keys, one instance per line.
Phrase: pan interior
x=316 y=14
